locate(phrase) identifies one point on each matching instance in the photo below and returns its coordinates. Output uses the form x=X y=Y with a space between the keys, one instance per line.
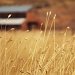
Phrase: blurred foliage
x=35 y=2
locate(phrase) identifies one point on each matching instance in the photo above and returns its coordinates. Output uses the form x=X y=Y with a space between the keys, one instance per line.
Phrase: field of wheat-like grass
x=37 y=53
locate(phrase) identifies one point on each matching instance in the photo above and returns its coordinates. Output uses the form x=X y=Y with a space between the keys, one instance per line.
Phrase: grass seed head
x=12 y=29
x=47 y=13
x=54 y=16
x=41 y=31
x=50 y=12
x=9 y=15
x=68 y=27
x=27 y=30
x=26 y=38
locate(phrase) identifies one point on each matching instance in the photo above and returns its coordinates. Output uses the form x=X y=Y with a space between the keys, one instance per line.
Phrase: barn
x=25 y=17
x=13 y=16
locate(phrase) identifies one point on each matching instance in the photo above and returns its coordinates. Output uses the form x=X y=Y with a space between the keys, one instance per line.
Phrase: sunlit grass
x=30 y=53
x=47 y=52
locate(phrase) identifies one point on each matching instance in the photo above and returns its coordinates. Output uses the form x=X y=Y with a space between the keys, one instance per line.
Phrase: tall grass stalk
x=37 y=52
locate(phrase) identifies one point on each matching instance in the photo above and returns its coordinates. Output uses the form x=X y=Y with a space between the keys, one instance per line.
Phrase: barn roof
x=16 y=8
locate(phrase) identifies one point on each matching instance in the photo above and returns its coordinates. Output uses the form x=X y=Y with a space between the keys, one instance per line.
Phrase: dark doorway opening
x=32 y=25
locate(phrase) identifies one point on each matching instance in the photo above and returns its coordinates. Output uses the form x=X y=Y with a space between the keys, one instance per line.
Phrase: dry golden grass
x=37 y=53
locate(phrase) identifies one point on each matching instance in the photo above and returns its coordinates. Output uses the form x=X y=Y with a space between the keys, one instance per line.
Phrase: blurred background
x=64 y=9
